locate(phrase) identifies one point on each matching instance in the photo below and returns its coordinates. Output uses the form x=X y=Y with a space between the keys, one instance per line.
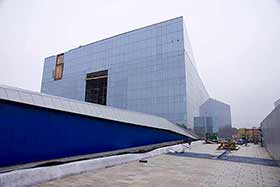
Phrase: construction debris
x=143 y=161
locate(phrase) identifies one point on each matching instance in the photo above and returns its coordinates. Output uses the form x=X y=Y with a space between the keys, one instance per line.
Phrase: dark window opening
x=96 y=87
x=58 y=72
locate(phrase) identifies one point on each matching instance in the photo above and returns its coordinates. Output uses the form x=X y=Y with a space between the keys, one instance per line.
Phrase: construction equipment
x=228 y=145
x=211 y=138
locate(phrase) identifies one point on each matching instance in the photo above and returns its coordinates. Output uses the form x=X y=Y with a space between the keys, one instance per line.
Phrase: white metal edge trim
x=33 y=176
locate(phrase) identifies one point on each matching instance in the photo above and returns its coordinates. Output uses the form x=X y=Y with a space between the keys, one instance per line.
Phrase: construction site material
x=245 y=135
x=211 y=138
x=229 y=145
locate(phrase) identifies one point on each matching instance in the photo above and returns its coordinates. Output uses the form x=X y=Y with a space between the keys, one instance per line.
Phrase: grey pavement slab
x=201 y=147
x=252 y=150
x=171 y=170
x=32 y=176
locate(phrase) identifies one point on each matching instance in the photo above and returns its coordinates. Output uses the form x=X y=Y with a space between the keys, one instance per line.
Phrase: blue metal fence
x=30 y=133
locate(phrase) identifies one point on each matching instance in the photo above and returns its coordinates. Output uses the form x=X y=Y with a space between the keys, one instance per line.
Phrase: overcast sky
x=236 y=43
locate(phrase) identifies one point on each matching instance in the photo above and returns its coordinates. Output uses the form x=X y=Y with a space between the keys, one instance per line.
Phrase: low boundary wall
x=271 y=133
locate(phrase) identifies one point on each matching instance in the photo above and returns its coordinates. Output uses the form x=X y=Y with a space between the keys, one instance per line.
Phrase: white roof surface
x=88 y=109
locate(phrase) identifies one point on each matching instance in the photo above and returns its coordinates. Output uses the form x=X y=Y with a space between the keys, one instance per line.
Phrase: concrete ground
x=199 y=166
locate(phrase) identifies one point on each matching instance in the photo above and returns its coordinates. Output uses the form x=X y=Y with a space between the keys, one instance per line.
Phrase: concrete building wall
x=271 y=130
x=219 y=111
x=147 y=71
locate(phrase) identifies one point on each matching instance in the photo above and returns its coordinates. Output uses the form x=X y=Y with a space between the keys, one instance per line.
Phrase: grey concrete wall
x=271 y=133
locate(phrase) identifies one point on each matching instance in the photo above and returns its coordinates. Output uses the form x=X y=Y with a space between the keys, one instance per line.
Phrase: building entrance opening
x=96 y=87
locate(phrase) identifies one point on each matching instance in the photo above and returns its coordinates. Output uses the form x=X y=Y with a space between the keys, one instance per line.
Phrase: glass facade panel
x=219 y=111
x=147 y=72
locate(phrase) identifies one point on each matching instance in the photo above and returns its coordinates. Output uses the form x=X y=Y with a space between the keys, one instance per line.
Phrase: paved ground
x=180 y=170
x=200 y=147
x=251 y=151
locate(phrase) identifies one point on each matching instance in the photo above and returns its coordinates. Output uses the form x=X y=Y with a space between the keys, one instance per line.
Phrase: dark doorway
x=96 y=87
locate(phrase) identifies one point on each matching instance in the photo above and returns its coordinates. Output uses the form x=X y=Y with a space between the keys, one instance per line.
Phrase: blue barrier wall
x=29 y=133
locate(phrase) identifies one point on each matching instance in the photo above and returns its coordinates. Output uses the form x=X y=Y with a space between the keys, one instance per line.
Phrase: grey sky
x=236 y=43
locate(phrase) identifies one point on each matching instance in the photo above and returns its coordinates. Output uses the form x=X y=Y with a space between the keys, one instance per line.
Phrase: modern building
x=203 y=125
x=219 y=111
x=150 y=70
